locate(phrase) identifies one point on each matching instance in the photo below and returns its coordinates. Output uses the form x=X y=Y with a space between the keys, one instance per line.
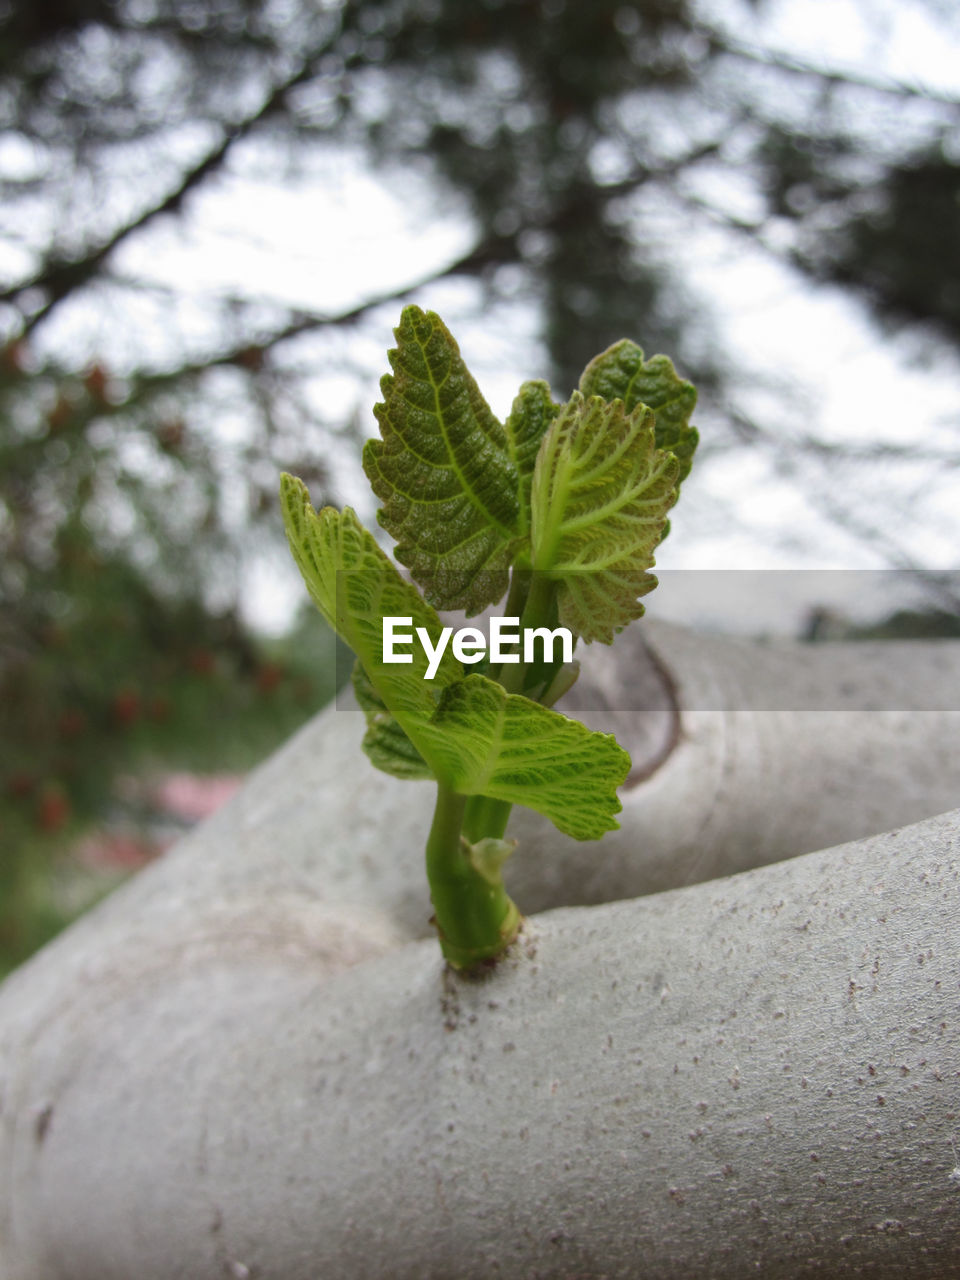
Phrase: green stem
x=485 y=816
x=537 y=612
x=540 y=607
x=517 y=595
x=475 y=918
x=513 y=608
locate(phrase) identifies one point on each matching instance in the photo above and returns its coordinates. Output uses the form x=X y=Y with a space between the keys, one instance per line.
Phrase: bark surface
x=252 y=1062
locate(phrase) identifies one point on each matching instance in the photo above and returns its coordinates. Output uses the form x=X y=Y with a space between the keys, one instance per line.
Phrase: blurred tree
x=586 y=147
x=113 y=655
x=542 y=115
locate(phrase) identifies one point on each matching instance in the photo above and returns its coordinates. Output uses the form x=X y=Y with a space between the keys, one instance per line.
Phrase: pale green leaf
x=470 y=734
x=600 y=497
x=621 y=373
x=443 y=470
x=355 y=585
x=385 y=743
x=531 y=414
x=484 y=741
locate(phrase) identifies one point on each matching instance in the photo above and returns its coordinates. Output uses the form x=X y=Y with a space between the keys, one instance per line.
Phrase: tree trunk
x=251 y=1061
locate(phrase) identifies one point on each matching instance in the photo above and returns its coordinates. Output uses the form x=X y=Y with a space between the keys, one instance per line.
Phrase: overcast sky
x=342 y=233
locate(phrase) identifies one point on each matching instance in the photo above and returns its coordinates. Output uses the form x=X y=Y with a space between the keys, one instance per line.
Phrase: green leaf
x=532 y=412
x=355 y=585
x=484 y=741
x=620 y=373
x=385 y=742
x=600 y=496
x=470 y=734
x=443 y=470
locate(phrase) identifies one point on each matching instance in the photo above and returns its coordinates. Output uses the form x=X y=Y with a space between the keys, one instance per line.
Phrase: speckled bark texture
x=251 y=1062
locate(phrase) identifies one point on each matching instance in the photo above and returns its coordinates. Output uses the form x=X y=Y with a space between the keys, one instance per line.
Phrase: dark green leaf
x=443 y=470
x=620 y=373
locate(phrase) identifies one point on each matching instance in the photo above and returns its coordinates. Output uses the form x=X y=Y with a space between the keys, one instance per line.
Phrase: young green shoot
x=556 y=512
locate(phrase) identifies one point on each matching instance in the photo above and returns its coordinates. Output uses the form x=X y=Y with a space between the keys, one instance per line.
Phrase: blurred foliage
x=537 y=118
x=910 y=624
x=906 y=255
x=893 y=236
x=104 y=679
x=584 y=144
x=829 y=624
x=114 y=656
